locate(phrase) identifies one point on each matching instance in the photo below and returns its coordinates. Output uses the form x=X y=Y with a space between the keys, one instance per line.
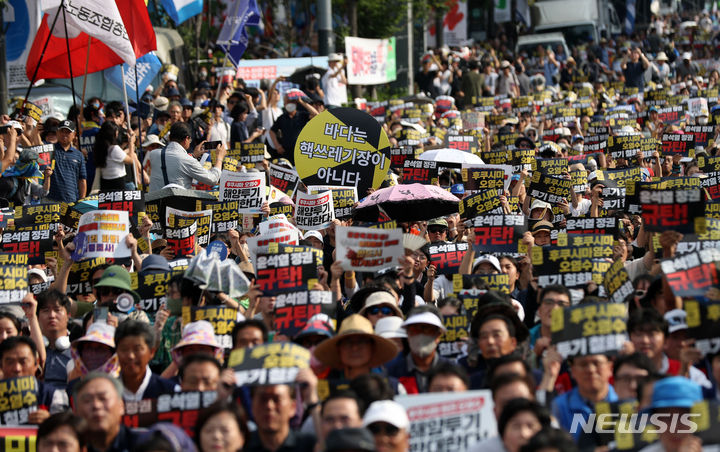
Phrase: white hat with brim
x=355 y=325
x=387 y=411
x=390 y=328
x=424 y=318
x=379 y=299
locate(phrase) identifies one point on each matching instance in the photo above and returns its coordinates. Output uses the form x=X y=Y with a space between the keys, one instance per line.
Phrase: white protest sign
x=247 y=188
x=368 y=250
x=698 y=106
x=449 y=420
x=314 y=212
x=370 y=61
x=104 y=234
x=259 y=243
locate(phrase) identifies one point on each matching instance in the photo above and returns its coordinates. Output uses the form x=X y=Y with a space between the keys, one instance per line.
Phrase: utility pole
x=326 y=38
x=3 y=65
x=411 y=68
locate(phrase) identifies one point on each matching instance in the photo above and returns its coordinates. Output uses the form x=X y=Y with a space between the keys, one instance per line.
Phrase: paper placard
x=368 y=250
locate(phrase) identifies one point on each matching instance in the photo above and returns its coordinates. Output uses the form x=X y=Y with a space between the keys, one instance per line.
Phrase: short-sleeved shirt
x=287 y=130
x=69 y=170
x=635 y=75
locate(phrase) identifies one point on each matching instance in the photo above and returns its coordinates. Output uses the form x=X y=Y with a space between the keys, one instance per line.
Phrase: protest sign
x=697 y=242
x=313 y=212
x=579 y=181
x=40 y=287
x=18 y=398
x=246 y=188
x=628 y=146
x=400 y=154
x=14 y=277
x=18 y=438
x=481 y=203
x=703 y=321
x=592 y=225
x=131 y=201
x=613 y=196
x=466 y=143
x=522 y=159
x=223 y=320
x=498 y=233
x=676 y=210
x=455 y=337
x=499 y=282
x=249 y=154
x=496 y=157
x=551 y=166
x=269 y=364
x=420 y=171
x=152 y=288
x=368 y=250
x=370 y=61
x=446 y=256
x=279 y=248
x=79 y=280
x=705 y=417
x=678 y=144
x=704 y=135
x=617 y=283
x=181 y=409
x=284 y=179
x=569 y=266
x=102 y=233
x=294 y=309
x=472 y=120
x=41 y=214
x=343 y=198
x=670 y=114
x=36 y=242
x=486 y=177
x=549 y=188
x=185 y=230
x=693 y=274
x=589 y=329
x=287 y=272
x=449 y=421
x=225 y=215
x=343 y=146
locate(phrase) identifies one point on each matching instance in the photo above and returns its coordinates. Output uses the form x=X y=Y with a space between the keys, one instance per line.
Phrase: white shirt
x=137 y=396
x=220 y=131
x=114 y=164
x=696 y=375
x=335 y=89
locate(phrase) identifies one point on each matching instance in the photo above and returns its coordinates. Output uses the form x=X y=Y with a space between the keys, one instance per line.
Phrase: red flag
x=55 y=61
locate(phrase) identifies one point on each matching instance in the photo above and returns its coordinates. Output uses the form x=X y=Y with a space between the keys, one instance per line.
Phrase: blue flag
x=233 y=37
x=147 y=68
x=182 y=10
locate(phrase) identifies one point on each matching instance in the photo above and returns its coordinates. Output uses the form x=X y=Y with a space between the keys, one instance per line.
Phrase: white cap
x=540 y=204
x=37 y=272
x=676 y=320
x=315 y=234
x=387 y=411
x=487 y=258
x=150 y=140
x=335 y=57
x=687 y=56
x=592 y=175
x=390 y=327
x=424 y=318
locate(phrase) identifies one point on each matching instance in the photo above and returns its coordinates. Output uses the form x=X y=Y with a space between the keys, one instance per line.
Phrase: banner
x=269 y=364
x=589 y=329
x=314 y=212
x=368 y=250
x=446 y=256
x=246 y=188
x=449 y=420
x=343 y=146
x=287 y=272
x=18 y=398
x=181 y=409
x=370 y=61
x=223 y=320
x=294 y=309
x=343 y=198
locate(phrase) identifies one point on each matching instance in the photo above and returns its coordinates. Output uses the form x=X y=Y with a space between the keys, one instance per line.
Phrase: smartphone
x=4 y=129
x=210 y=145
x=100 y=314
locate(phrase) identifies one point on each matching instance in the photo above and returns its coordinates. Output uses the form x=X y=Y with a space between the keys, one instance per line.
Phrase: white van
x=529 y=43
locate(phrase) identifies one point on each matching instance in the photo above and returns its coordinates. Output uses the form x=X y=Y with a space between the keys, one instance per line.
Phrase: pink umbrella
x=411 y=202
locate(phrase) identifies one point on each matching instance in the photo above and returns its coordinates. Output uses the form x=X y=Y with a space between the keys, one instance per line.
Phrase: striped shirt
x=69 y=169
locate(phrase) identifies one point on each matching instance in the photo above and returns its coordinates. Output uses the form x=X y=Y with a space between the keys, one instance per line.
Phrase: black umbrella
x=301 y=74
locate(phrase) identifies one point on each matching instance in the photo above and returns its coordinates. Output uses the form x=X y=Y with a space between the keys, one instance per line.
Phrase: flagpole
x=222 y=71
x=139 y=149
x=127 y=115
x=42 y=54
x=72 y=82
x=87 y=63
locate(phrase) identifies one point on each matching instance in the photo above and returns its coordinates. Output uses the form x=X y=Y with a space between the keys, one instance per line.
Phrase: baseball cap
x=675 y=392
x=676 y=320
x=424 y=318
x=387 y=411
x=437 y=222
x=67 y=125
x=457 y=189
x=489 y=258
x=315 y=234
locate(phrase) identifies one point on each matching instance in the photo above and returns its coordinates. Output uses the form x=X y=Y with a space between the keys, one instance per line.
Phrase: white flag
x=100 y=19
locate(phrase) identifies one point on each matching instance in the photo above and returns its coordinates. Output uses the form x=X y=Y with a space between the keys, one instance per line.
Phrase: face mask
x=422 y=345
x=174 y=305
x=578 y=147
x=702 y=120
x=93 y=359
x=290 y=107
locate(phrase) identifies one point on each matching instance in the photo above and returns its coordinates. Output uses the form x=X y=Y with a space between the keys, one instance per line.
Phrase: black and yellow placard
x=223 y=320
x=343 y=146
x=617 y=282
x=589 y=329
x=446 y=256
x=18 y=398
x=693 y=274
x=294 y=309
x=269 y=364
x=455 y=335
x=286 y=272
x=672 y=209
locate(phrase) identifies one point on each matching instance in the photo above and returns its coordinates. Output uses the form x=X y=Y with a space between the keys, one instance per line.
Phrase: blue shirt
x=565 y=406
x=56 y=367
x=69 y=169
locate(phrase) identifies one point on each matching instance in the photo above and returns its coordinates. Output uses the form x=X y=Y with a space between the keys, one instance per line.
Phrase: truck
x=580 y=21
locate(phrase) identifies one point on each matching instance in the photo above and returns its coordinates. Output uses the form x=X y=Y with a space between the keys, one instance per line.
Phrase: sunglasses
x=384 y=310
x=436 y=230
x=109 y=291
x=381 y=428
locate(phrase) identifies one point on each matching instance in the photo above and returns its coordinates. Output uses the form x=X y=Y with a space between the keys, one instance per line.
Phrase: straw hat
x=355 y=325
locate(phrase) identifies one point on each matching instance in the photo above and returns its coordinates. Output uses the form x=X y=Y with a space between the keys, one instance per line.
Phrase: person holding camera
x=334 y=82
